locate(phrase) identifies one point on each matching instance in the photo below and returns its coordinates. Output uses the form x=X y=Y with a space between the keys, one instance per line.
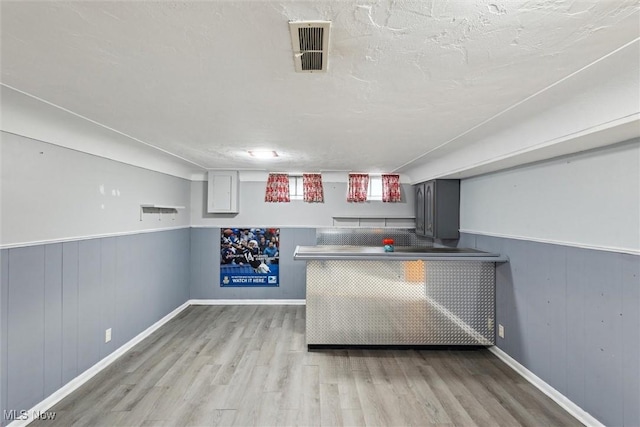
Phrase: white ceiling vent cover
x=310 y=42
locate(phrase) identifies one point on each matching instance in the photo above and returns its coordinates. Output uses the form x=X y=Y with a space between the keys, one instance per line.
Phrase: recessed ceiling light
x=263 y=154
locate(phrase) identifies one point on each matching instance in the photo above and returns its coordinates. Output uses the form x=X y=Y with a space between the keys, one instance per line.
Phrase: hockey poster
x=249 y=257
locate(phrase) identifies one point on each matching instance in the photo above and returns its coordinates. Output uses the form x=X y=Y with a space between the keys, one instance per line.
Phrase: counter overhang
x=401 y=253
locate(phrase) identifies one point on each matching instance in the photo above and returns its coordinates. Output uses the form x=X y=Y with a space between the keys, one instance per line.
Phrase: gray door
x=429 y=208
x=420 y=209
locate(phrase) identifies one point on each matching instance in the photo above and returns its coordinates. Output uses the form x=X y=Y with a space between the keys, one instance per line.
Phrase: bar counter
x=400 y=253
x=362 y=295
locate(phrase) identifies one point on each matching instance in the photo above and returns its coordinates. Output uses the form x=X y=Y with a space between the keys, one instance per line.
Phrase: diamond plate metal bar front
x=400 y=302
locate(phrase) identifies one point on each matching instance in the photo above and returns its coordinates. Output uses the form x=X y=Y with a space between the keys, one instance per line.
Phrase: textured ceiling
x=209 y=80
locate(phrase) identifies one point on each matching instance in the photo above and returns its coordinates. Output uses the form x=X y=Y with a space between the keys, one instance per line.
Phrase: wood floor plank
x=348 y=390
x=332 y=365
x=268 y=346
x=254 y=389
x=535 y=402
x=451 y=405
x=463 y=395
x=248 y=365
x=547 y=408
x=240 y=380
x=298 y=341
x=374 y=412
x=173 y=399
x=330 y=413
x=154 y=423
x=140 y=413
x=201 y=384
x=310 y=414
x=292 y=382
x=246 y=416
x=269 y=404
x=510 y=403
x=421 y=389
x=287 y=417
x=352 y=417
x=233 y=354
x=468 y=374
x=224 y=417
x=392 y=405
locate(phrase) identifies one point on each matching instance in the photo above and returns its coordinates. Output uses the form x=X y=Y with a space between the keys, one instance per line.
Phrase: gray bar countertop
x=401 y=253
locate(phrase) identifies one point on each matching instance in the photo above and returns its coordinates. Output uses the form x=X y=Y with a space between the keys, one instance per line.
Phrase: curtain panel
x=358 y=187
x=391 y=188
x=312 y=188
x=277 y=188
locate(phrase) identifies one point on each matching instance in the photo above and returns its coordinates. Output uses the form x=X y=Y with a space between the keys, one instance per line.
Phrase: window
x=375 y=187
x=296 y=189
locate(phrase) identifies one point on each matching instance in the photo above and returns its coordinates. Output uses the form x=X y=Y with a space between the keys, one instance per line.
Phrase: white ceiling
x=209 y=80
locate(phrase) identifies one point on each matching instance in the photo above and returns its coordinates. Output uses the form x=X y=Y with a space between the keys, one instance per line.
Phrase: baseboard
x=247 y=302
x=78 y=381
x=580 y=414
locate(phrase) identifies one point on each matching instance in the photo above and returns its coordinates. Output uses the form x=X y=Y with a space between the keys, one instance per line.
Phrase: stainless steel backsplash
x=370 y=237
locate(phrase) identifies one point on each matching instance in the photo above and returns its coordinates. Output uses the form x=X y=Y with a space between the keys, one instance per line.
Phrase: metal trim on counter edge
x=395 y=256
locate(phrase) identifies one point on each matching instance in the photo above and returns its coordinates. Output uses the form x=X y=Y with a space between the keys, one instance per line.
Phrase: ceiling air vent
x=310 y=41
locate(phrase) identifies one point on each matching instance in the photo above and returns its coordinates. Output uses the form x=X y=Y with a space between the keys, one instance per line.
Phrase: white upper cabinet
x=222 y=194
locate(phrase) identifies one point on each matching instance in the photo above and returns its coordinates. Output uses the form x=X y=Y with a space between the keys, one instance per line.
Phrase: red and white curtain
x=358 y=187
x=391 y=188
x=312 y=188
x=277 y=188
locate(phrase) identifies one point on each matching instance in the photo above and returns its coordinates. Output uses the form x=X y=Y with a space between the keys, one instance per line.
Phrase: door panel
x=420 y=209
x=429 y=208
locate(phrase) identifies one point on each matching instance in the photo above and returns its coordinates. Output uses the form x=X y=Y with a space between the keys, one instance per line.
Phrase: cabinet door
x=419 y=189
x=222 y=194
x=429 y=208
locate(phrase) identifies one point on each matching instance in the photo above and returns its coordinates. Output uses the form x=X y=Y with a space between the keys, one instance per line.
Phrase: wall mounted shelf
x=160 y=210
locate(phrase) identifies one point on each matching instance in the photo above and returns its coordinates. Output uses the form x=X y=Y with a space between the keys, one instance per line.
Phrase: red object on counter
x=387 y=241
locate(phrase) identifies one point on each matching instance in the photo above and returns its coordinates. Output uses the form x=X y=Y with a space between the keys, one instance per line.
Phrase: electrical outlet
x=501 y=331
x=107 y=335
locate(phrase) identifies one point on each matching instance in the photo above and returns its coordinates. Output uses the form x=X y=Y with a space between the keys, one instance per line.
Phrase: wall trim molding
x=247 y=302
x=81 y=379
x=580 y=414
x=554 y=242
x=88 y=237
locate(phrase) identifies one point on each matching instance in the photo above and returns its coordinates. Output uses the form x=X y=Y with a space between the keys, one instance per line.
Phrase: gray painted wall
x=54 y=193
x=589 y=199
x=572 y=317
x=254 y=210
x=205 y=267
x=58 y=300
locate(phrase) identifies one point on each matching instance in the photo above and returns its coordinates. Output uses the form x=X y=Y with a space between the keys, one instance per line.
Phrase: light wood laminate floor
x=248 y=365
